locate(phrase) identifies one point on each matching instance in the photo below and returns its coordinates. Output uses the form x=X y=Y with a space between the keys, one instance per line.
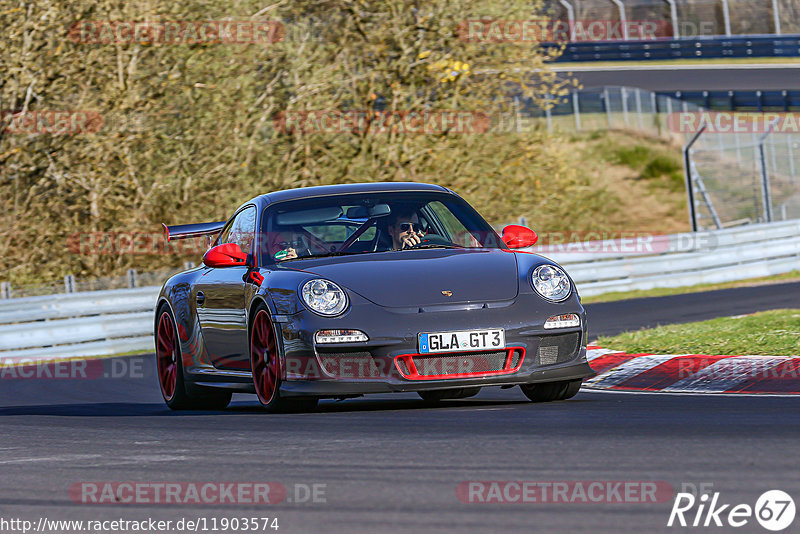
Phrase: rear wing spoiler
x=188 y=231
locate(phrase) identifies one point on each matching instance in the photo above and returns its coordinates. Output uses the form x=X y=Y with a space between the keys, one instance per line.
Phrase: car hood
x=422 y=277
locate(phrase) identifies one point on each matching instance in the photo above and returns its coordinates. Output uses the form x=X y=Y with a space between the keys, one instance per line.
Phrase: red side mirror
x=515 y=236
x=225 y=255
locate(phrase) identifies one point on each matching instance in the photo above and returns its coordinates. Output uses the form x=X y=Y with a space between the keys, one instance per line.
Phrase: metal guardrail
x=739 y=99
x=687 y=48
x=102 y=323
x=72 y=325
x=689 y=259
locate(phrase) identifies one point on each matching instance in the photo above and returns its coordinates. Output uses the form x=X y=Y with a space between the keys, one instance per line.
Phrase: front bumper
x=538 y=355
x=577 y=370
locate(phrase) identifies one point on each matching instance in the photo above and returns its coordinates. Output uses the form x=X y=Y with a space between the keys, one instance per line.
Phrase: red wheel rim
x=264 y=358
x=167 y=356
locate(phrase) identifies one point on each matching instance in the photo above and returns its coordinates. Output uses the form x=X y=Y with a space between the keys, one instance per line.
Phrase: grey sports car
x=342 y=290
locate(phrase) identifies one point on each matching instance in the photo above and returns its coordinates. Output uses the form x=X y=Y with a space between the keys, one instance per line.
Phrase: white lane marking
x=65 y=457
x=724 y=374
x=714 y=66
x=629 y=369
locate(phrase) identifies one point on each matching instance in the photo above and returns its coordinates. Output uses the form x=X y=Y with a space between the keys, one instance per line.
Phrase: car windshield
x=372 y=223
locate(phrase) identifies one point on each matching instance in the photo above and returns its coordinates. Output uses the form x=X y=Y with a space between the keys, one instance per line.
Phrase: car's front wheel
x=169 y=365
x=265 y=366
x=551 y=391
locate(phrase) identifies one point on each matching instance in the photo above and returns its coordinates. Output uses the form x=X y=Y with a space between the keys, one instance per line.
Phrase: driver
x=282 y=245
x=405 y=230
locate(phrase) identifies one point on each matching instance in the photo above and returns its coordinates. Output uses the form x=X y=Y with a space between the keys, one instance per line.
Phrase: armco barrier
x=679 y=260
x=95 y=323
x=103 y=323
x=687 y=48
x=739 y=100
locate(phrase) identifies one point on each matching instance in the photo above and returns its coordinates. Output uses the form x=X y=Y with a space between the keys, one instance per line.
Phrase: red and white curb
x=693 y=373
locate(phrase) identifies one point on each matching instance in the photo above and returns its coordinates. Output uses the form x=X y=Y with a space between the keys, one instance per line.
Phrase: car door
x=220 y=298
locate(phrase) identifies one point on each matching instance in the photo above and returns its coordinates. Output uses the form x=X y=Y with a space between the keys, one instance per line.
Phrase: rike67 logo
x=774 y=510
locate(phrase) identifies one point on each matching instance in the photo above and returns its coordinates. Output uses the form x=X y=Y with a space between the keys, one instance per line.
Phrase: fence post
x=570 y=18
x=701 y=188
x=687 y=167
x=673 y=13
x=5 y=290
x=516 y=115
x=576 y=110
x=69 y=284
x=765 y=186
x=623 y=19
x=776 y=16
x=624 y=93
x=639 y=109
x=131 y=278
x=656 y=117
x=791 y=155
x=726 y=15
x=774 y=158
x=607 y=103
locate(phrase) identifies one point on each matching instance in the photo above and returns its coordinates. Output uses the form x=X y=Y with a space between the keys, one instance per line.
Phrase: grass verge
x=792 y=276
x=770 y=333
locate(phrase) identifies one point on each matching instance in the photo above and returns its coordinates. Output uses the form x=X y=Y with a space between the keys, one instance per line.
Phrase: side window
x=242 y=230
x=456 y=231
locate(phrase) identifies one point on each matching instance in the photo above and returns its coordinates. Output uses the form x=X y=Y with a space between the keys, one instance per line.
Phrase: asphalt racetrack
x=390 y=463
x=700 y=77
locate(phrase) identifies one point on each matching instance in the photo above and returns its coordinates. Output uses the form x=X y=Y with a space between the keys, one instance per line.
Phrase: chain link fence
x=737 y=178
x=605 y=108
x=743 y=178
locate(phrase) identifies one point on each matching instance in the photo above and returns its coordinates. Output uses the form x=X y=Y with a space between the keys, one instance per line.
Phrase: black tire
x=177 y=394
x=551 y=391
x=265 y=367
x=572 y=389
x=436 y=395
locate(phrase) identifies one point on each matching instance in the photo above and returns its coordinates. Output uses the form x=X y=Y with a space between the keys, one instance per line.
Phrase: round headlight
x=551 y=282
x=324 y=297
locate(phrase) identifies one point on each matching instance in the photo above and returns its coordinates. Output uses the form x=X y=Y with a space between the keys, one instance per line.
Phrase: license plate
x=466 y=340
